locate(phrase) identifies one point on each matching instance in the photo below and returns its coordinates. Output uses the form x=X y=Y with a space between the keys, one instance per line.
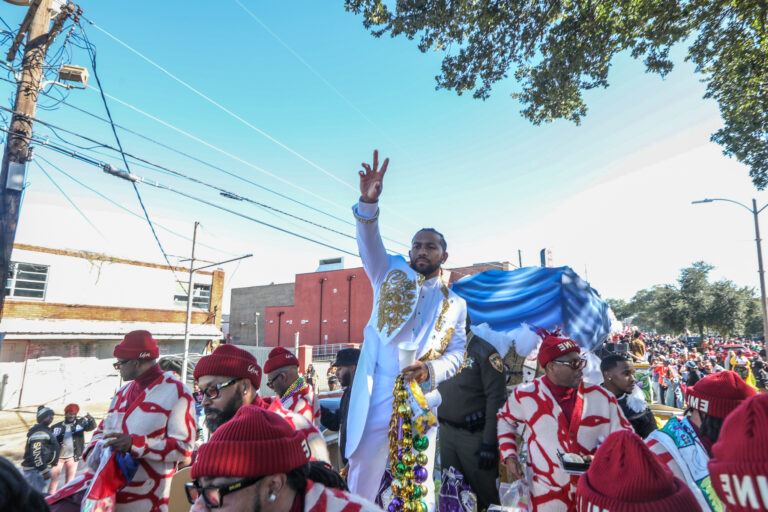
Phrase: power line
x=208 y=164
x=224 y=192
x=131 y=177
x=92 y=53
x=124 y=208
x=223 y=108
x=83 y=215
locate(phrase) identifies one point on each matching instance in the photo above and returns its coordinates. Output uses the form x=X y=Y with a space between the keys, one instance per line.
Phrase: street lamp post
x=256 y=323
x=755 y=212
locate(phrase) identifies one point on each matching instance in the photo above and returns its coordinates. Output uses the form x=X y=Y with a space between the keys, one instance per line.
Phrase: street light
x=755 y=212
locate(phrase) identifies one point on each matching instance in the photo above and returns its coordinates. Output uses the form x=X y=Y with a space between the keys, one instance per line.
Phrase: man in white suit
x=412 y=304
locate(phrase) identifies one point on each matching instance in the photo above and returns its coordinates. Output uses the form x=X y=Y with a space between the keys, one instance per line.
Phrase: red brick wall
x=336 y=294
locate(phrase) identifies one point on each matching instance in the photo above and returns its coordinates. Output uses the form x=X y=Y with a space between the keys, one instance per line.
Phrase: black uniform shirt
x=472 y=397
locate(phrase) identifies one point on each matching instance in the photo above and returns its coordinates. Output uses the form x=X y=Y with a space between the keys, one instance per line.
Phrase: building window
x=201 y=296
x=27 y=280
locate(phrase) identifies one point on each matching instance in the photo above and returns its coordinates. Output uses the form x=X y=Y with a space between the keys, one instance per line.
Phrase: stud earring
x=272 y=497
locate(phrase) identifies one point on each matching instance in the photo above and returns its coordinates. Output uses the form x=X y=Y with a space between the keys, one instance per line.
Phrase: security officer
x=467 y=418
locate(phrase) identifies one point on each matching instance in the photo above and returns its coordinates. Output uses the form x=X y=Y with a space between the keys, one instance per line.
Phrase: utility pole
x=190 y=290
x=17 y=153
x=189 y=305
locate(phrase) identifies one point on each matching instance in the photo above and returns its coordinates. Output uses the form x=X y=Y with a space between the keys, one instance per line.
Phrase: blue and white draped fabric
x=541 y=297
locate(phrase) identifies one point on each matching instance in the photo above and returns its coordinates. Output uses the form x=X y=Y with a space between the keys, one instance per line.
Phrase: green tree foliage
x=695 y=304
x=556 y=50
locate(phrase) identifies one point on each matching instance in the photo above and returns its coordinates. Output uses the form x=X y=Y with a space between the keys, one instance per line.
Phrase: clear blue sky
x=611 y=196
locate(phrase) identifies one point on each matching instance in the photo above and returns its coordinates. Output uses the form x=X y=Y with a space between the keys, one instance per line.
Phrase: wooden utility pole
x=16 y=155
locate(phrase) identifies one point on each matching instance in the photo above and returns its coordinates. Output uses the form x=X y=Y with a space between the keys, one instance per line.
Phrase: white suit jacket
x=396 y=291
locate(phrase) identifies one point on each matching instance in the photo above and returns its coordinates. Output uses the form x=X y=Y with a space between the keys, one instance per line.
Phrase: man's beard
x=223 y=415
x=426 y=271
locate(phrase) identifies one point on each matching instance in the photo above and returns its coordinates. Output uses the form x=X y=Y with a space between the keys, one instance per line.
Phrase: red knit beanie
x=553 y=346
x=718 y=394
x=254 y=443
x=72 y=408
x=230 y=361
x=625 y=476
x=278 y=358
x=739 y=464
x=137 y=345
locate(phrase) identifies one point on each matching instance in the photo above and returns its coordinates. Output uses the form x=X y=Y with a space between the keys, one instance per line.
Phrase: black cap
x=347 y=357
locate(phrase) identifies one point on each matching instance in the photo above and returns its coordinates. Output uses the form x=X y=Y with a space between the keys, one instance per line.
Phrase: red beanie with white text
x=230 y=361
x=718 y=394
x=278 y=358
x=739 y=464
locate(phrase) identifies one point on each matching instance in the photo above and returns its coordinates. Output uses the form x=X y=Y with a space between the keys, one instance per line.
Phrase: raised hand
x=371 y=180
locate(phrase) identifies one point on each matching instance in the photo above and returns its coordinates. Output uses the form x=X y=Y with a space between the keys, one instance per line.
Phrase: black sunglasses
x=120 y=362
x=213 y=392
x=273 y=379
x=214 y=495
x=576 y=364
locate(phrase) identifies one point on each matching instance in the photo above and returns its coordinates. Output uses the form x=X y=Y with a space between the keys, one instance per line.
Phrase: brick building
x=328 y=307
x=65 y=310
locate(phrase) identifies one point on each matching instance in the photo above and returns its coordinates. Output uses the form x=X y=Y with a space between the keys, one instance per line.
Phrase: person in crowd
x=258 y=462
x=41 y=451
x=199 y=416
x=637 y=348
x=333 y=385
x=619 y=378
x=151 y=418
x=296 y=394
x=70 y=435
x=729 y=360
x=467 y=416
x=556 y=414
x=346 y=366
x=412 y=304
x=760 y=370
x=694 y=374
x=673 y=397
x=661 y=371
x=684 y=444
x=625 y=476
x=229 y=379
x=16 y=495
x=740 y=364
x=311 y=376
x=738 y=468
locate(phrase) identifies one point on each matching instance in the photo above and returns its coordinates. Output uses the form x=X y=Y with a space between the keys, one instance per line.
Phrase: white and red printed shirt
x=319 y=498
x=304 y=402
x=315 y=439
x=162 y=426
x=533 y=412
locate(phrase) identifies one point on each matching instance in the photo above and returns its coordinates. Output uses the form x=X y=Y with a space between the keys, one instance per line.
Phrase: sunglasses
x=576 y=364
x=214 y=495
x=120 y=362
x=213 y=392
x=273 y=379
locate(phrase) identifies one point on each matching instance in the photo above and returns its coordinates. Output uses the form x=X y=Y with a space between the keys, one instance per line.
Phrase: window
x=27 y=280
x=201 y=296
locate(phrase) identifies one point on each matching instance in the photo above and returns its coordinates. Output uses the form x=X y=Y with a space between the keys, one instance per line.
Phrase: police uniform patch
x=496 y=362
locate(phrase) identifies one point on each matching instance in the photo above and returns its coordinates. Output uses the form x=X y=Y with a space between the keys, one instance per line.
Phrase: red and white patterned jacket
x=319 y=498
x=162 y=425
x=315 y=439
x=305 y=403
x=532 y=411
